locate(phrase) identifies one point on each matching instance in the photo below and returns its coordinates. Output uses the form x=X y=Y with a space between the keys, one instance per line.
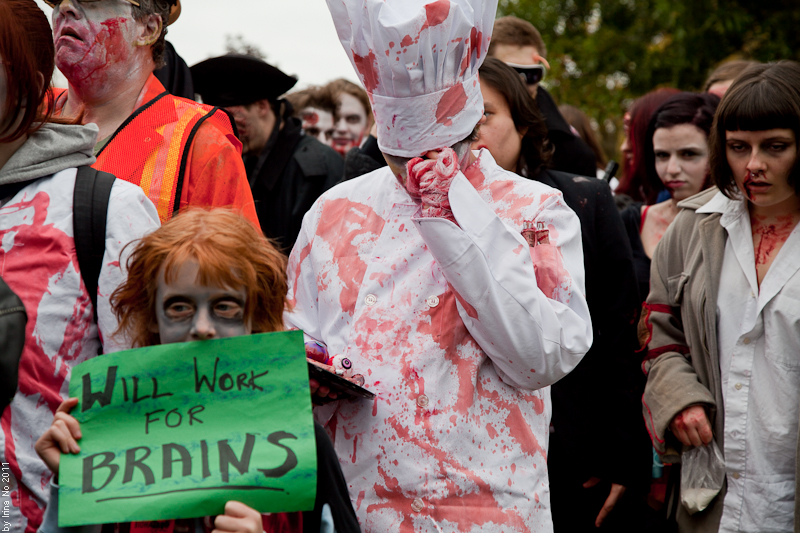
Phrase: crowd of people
x=546 y=342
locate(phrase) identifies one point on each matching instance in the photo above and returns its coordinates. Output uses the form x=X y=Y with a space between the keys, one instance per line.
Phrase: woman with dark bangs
x=38 y=259
x=206 y=275
x=723 y=313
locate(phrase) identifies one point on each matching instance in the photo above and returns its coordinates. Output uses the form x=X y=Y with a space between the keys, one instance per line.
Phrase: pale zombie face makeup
x=318 y=123
x=497 y=133
x=351 y=123
x=681 y=156
x=761 y=162
x=94 y=39
x=187 y=311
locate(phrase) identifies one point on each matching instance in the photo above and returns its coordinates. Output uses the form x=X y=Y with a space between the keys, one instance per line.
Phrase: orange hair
x=230 y=253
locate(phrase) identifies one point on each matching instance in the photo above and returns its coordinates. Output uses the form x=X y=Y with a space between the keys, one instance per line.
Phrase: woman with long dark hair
x=722 y=314
x=38 y=259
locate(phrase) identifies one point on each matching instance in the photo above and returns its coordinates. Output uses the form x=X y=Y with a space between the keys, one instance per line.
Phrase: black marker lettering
x=254 y=377
x=136 y=391
x=155 y=390
x=132 y=462
x=204 y=455
x=103 y=398
x=241 y=380
x=89 y=468
x=291 y=458
x=222 y=382
x=193 y=411
x=185 y=458
x=227 y=457
x=147 y=420
x=124 y=389
x=199 y=380
x=180 y=419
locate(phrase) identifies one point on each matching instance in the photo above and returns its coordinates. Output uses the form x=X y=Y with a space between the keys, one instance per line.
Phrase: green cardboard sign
x=176 y=431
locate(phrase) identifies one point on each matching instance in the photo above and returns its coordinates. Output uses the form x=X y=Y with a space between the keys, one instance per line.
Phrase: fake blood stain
x=367 y=66
x=108 y=47
x=451 y=104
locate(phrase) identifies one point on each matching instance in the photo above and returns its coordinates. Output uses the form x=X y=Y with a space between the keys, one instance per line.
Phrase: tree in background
x=606 y=53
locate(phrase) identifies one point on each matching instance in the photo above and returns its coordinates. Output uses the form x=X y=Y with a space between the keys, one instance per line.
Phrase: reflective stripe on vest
x=150 y=149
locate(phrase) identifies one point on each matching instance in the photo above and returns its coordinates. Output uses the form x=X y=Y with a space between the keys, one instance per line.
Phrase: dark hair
x=728 y=70
x=161 y=8
x=764 y=97
x=536 y=149
x=696 y=109
x=313 y=96
x=633 y=181
x=578 y=120
x=26 y=50
x=514 y=31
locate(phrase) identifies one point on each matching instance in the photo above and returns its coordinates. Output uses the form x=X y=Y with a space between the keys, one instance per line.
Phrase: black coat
x=598 y=429
x=572 y=153
x=287 y=177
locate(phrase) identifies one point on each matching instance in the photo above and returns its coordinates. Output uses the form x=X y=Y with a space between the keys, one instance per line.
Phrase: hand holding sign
x=178 y=430
x=61 y=437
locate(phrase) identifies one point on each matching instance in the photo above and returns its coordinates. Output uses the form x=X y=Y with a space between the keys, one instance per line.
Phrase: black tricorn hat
x=236 y=79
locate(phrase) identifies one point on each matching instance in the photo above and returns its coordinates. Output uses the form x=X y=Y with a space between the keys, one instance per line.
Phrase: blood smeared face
x=318 y=123
x=761 y=163
x=351 y=123
x=188 y=311
x=94 y=40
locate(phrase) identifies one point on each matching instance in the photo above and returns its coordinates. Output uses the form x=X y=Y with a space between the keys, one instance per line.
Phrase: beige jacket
x=682 y=362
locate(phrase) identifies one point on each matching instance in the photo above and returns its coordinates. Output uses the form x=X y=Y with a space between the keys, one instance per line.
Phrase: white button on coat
x=371 y=300
x=432 y=301
x=423 y=401
x=417 y=505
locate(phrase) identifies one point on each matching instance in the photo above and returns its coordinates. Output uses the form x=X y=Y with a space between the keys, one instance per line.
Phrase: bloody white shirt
x=451 y=332
x=759 y=356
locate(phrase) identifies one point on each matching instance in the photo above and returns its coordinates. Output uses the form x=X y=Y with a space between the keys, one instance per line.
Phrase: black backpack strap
x=185 y=158
x=89 y=212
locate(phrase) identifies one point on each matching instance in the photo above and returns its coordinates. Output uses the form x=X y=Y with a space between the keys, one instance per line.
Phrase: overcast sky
x=296 y=35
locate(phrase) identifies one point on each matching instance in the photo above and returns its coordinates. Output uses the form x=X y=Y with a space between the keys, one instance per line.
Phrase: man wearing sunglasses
x=180 y=152
x=518 y=44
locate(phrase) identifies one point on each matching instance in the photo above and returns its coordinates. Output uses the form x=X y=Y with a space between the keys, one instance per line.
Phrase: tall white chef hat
x=418 y=60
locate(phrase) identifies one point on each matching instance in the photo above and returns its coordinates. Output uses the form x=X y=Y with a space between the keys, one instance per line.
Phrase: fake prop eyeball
x=342 y=366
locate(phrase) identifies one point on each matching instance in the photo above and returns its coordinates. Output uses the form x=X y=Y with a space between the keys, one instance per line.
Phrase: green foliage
x=605 y=53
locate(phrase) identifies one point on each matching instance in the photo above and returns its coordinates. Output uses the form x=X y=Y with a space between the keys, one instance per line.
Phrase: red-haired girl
x=207 y=275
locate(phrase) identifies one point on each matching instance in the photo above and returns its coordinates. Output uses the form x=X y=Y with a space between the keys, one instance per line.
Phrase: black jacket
x=572 y=153
x=598 y=429
x=287 y=177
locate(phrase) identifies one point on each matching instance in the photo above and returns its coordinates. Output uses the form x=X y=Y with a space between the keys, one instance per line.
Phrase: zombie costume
x=179 y=152
x=39 y=262
x=452 y=334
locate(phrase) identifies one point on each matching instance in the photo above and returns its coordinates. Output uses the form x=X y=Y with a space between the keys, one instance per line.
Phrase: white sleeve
x=303 y=285
x=532 y=340
x=131 y=216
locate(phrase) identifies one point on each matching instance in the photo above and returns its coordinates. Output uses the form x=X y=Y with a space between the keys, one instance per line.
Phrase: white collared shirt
x=759 y=356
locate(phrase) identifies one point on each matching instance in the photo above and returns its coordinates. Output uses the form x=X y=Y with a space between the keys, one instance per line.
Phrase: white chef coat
x=453 y=335
x=759 y=352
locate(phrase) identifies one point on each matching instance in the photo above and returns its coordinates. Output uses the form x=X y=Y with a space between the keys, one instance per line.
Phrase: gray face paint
x=187 y=311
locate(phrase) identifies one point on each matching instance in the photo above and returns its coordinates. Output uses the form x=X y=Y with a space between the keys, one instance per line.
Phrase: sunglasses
x=54 y=3
x=530 y=74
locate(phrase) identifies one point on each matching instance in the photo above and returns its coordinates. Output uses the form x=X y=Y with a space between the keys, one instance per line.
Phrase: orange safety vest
x=151 y=148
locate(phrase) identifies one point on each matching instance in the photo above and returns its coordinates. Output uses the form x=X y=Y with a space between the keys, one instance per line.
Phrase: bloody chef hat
x=418 y=60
